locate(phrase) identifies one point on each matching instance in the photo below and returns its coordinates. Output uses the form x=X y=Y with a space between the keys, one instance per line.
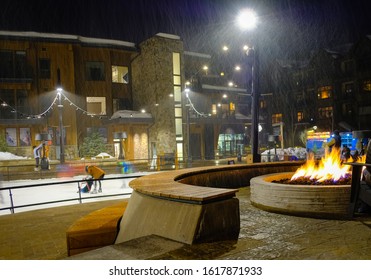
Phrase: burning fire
x=330 y=167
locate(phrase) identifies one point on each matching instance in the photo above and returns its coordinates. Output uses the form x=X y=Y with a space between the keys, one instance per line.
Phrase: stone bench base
x=183 y=222
x=95 y=230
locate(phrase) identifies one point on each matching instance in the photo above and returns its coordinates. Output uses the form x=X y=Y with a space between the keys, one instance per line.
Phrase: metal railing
x=79 y=198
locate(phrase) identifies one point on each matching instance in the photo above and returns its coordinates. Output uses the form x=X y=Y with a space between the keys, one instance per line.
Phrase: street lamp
x=247 y=20
x=61 y=133
x=189 y=158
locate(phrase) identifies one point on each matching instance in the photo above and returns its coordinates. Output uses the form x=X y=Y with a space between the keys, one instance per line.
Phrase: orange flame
x=330 y=167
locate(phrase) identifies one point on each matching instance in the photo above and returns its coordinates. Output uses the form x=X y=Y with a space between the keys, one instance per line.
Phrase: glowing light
x=225 y=48
x=247 y=19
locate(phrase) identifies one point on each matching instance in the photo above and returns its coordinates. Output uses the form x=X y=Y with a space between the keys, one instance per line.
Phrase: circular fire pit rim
x=316 y=201
x=283 y=175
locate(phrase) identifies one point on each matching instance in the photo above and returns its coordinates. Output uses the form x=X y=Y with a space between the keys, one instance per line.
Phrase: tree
x=92 y=145
x=3 y=144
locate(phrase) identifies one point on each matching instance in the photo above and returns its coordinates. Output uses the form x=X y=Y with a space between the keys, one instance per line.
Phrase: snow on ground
x=62 y=191
x=10 y=156
x=298 y=153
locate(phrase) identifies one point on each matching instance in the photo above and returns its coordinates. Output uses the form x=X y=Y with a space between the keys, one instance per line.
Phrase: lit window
x=263 y=104
x=276 y=118
x=325 y=112
x=213 y=109
x=324 y=92
x=96 y=105
x=299 y=116
x=367 y=86
x=120 y=74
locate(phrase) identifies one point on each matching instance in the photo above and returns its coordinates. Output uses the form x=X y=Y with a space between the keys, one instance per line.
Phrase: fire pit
x=271 y=192
x=318 y=201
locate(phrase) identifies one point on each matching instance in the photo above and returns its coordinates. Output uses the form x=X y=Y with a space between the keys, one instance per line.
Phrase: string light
x=50 y=108
x=193 y=107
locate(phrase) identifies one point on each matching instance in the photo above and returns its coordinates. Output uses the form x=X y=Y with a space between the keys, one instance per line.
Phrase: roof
x=66 y=37
x=131 y=116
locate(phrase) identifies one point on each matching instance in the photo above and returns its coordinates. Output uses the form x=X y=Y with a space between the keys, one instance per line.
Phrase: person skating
x=97 y=175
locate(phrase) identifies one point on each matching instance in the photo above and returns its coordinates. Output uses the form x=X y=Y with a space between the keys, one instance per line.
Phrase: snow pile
x=103 y=155
x=10 y=156
x=270 y=155
x=100 y=156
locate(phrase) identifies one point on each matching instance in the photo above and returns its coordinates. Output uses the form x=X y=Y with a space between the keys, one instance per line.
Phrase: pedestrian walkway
x=41 y=235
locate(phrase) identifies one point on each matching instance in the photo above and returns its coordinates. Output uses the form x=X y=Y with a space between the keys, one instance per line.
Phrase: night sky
x=286 y=28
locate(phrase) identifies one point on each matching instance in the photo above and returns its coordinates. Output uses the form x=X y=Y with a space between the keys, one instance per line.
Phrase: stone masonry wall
x=152 y=72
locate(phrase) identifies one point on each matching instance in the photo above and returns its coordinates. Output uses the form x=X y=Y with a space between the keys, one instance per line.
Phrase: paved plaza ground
x=41 y=235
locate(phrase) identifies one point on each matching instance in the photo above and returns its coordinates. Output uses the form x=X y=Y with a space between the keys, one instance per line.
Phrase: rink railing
x=78 y=198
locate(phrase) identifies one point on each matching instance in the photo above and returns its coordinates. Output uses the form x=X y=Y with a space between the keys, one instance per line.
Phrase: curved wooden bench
x=95 y=230
x=191 y=205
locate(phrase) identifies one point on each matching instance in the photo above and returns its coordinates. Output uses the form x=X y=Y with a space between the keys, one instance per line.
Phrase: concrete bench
x=191 y=205
x=95 y=230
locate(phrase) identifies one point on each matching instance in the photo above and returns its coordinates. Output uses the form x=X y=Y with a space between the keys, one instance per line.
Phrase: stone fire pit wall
x=317 y=201
x=191 y=205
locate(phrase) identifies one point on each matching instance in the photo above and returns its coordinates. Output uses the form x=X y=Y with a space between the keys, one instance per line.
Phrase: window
x=347 y=109
x=300 y=97
x=121 y=104
x=310 y=77
x=364 y=110
x=297 y=80
x=366 y=86
x=299 y=116
x=44 y=68
x=94 y=71
x=263 y=104
x=276 y=118
x=177 y=82
x=6 y=62
x=347 y=67
x=213 y=109
x=13 y=64
x=120 y=74
x=96 y=105
x=348 y=89
x=325 y=112
x=324 y=92
x=176 y=64
x=14 y=103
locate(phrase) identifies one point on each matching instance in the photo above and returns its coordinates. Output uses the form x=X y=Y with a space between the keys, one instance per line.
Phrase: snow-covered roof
x=169 y=36
x=222 y=88
x=86 y=40
x=202 y=55
x=128 y=114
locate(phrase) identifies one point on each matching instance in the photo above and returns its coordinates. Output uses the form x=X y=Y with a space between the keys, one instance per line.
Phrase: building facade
x=157 y=99
x=329 y=91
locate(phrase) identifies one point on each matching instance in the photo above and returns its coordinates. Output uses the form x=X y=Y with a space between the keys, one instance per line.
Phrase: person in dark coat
x=335 y=141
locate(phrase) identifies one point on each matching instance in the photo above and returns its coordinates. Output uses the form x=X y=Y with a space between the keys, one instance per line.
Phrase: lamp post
x=247 y=20
x=61 y=132
x=121 y=136
x=189 y=157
